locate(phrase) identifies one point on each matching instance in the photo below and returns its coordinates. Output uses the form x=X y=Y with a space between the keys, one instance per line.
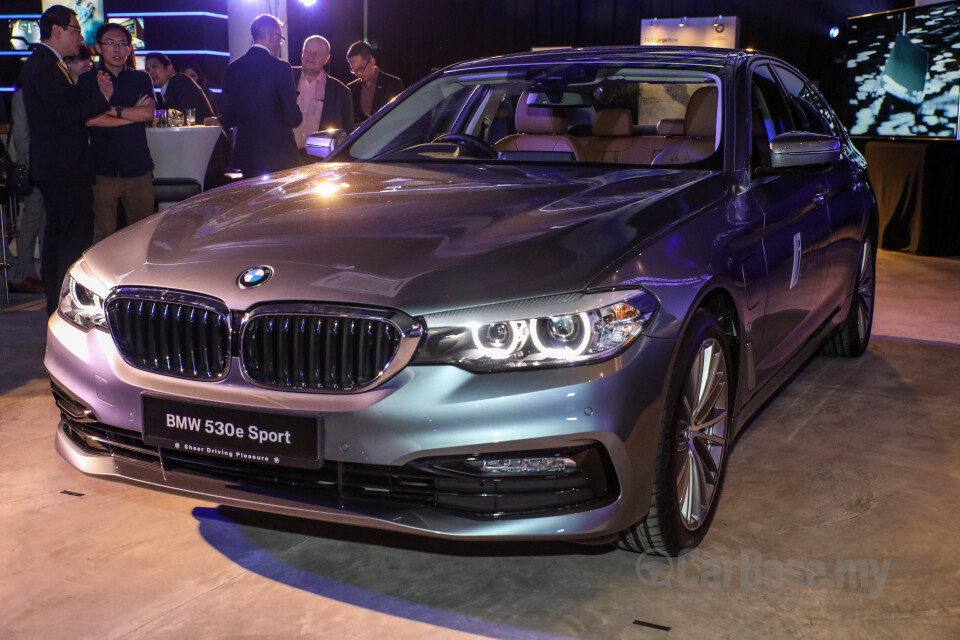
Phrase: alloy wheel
x=702 y=434
x=866 y=283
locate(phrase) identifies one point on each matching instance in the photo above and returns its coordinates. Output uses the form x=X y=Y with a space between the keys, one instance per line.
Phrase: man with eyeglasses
x=119 y=137
x=60 y=163
x=373 y=88
x=259 y=100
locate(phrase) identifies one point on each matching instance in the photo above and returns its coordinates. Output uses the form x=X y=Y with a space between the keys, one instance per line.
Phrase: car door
x=795 y=236
x=846 y=182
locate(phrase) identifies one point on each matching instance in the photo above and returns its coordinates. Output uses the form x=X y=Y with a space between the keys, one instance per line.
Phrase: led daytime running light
x=566 y=351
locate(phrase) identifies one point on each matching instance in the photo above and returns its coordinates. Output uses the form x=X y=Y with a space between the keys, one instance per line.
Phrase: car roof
x=693 y=56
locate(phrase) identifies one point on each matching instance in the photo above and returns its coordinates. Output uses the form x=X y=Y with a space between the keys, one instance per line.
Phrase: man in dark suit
x=176 y=90
x=259 y=99
x=60 y=162
x=325 y=102
x=373 y=88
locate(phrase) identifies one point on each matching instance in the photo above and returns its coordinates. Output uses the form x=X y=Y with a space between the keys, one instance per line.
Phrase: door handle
x=820 y=197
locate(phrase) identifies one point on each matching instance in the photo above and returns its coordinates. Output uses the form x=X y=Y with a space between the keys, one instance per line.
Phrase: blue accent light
x=22 y=54
x=20 y=16
x=8 y=89
x=166 y=14
x=196 y=52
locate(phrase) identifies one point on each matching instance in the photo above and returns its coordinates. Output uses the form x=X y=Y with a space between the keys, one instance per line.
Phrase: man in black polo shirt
x=176 y=90
x=119 y=138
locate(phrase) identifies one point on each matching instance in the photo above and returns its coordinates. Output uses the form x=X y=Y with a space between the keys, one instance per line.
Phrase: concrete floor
x=839 y=520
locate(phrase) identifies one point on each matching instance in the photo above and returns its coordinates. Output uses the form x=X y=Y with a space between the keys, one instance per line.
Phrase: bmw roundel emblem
x=254 y=277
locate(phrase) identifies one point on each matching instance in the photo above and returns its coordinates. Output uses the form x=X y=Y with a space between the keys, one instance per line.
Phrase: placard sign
x=717 y=31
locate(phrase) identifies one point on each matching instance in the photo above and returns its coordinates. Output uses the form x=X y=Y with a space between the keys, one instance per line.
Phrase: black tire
x=853 y=336
x=689 y=437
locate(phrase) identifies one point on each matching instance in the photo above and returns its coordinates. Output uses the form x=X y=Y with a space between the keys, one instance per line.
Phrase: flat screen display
x=903 y=73
x=135 y=27
x=89 y=13
x=23 y=33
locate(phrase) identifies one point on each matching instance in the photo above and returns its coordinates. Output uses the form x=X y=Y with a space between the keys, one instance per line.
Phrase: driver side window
x=811 y=110
x=769 y=116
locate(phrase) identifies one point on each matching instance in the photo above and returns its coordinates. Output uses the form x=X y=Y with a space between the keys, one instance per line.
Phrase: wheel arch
x=720 y=302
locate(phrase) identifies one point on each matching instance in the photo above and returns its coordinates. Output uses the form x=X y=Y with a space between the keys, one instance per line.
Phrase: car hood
x=421 y=238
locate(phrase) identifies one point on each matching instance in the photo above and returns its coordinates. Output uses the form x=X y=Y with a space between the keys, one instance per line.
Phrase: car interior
x=622 y=118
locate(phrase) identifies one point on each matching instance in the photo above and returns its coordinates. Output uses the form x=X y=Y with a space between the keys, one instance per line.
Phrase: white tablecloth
x=181 y=152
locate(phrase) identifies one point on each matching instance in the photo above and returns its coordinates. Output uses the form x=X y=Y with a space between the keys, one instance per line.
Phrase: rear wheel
x=692 y=450
x=853 y=336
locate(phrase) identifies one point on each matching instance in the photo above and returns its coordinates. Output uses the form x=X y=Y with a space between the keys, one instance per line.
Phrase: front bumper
x=378 y=439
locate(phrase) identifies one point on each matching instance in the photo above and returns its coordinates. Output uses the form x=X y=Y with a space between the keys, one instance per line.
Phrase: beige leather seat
x=613 y=140
x=540 y=129
x=699 y=130
x=670 y=127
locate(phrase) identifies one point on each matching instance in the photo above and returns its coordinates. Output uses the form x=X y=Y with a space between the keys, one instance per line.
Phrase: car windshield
x=563 y=113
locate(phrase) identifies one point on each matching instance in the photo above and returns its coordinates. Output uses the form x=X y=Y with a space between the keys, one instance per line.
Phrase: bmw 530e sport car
x=533 y=298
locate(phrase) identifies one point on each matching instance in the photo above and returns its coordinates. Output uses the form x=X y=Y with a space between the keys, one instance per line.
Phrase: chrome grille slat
x=299 y=375
x=313 y=351
x=175 y=338
x=149 y=344
x=316 y=352
x=189 y=331
x=329 y=353
x=203 y=350
x=170 y=333
x=283 y=354
x=133 y=317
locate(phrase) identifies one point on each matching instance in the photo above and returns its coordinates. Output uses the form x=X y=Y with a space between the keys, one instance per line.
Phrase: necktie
x=63 y=68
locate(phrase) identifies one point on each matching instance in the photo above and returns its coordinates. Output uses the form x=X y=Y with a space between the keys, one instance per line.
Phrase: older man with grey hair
x=324 y=101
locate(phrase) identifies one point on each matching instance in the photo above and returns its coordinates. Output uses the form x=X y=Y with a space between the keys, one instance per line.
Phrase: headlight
x=568 y=330
x=80 y=305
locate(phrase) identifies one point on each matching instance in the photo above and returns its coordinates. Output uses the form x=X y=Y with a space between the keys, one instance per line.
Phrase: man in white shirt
x=325 y=102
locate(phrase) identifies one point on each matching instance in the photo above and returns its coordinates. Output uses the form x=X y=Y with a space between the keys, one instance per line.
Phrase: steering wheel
x=474 y=145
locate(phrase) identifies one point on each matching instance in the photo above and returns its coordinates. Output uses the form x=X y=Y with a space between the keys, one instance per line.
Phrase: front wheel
x=853 y=336
x=692 y=450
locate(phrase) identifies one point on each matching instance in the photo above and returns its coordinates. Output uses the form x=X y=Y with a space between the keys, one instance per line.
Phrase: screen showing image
x=23 y=33
x=135 y=27
x=903 y=73
x=89 y=13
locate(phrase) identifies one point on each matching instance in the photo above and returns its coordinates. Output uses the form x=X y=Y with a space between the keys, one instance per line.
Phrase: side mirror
x=322 y=143
x=799 y=149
